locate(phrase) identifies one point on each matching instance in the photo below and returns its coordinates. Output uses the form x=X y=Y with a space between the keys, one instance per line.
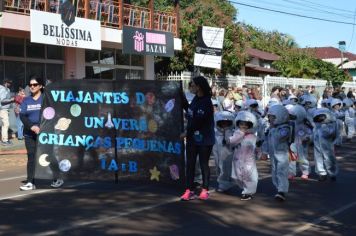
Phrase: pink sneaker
x=188 y=195
x=204 y=194
x=305 y=177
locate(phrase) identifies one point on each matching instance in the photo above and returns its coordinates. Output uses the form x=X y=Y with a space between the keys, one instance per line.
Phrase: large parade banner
x=99 y=130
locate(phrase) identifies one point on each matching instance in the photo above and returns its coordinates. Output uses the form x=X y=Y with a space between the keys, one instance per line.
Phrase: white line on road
x=79 y=224
x=32 y=192
x=320 y=219
x=103 y=219
x=14 y=177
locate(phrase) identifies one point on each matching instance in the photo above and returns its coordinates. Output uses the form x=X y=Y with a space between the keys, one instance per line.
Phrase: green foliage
x=238 y=36
x=301 y=64
x=214 y=13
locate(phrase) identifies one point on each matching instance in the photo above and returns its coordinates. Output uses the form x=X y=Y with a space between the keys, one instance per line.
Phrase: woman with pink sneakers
x=200 y=137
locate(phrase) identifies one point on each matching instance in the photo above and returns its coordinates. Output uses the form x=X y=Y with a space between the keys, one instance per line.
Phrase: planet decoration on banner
x=169 y=105
x=174 y=170
x=42 y=160
x=75 y=110
x=63 y=124
x=64 y=165
x=151 y=98
x=49 y=113
x=152 y=126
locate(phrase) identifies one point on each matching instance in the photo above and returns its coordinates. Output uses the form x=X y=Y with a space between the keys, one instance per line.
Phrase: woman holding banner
x=200 y=136
x=30 y=115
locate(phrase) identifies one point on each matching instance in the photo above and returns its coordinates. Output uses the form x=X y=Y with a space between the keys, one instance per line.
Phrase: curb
x=21 y=151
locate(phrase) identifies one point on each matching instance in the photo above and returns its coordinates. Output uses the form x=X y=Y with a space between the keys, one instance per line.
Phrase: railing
x=266 y=84
x=110 y=12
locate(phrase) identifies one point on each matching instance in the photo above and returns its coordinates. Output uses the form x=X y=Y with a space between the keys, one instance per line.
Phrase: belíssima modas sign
x=49 y=28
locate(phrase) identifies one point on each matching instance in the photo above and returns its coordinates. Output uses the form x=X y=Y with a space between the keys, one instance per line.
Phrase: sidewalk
x=18 y=147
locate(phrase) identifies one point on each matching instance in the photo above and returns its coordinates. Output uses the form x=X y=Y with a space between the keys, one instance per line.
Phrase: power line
x=353 y=30
x=302 y=7
x=293 y=14
x=326 y=6
x=319 y=9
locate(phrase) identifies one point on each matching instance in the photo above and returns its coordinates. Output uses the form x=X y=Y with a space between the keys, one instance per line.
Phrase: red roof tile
x=261 y=69
x=261 y=54
x=331 y=52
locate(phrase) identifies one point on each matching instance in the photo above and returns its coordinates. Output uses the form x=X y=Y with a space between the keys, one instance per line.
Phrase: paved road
x=87 y=208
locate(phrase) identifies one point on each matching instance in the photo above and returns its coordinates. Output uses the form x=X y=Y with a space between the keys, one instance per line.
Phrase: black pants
x=204 y=154
x=30 y=143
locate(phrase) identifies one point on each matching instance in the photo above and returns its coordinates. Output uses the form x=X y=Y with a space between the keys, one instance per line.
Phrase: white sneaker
x=27 y=186
x=57 y=183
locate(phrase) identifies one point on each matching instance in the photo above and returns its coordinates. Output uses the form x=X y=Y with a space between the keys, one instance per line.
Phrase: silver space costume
x=324 y=136
x=222 y=152
x=339 y=115
x=244 y=169
x=349 y=112
x=276 y=145
x=302 y=135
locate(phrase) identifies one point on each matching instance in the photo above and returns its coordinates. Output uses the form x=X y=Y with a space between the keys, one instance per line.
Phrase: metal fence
x=266 y=83
x=349 y=85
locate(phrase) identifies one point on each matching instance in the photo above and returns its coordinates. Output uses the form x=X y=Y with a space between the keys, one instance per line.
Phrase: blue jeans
x=19 y=125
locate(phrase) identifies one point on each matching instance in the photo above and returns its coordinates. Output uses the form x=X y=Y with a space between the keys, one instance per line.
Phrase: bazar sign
x=82 y=33
x=147 y=42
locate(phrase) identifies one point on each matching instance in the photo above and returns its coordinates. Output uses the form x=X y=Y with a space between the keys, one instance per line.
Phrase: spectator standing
x=314 y=92
x=30 y=114
x=200 y=137
x=19 y=99
x=5 y=103
x=350 y=94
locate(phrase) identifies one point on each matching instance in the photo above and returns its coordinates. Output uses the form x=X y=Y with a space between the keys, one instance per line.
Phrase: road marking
x=320 y=219
x=32 y=192
x=91 y=222
x=104 y=219
x=14 y=177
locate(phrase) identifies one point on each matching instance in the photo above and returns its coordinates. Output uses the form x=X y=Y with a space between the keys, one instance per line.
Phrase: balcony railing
x=111 y=13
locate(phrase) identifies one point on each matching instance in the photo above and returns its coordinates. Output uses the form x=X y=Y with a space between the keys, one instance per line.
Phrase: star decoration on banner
x=155 y=173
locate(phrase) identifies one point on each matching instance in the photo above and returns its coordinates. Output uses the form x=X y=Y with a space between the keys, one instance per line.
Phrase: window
x=55 y=52
x=99 y=72
x=16 y=72
x=35 y=50
x=136 y=60
x=91 y=56
x=122 y=59
x=54 y=72
x=122 y=74
x=107 y=56
x=14 y=47
x=37 y=69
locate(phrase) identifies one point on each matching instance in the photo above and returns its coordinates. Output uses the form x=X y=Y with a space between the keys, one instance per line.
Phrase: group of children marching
x=282 y=133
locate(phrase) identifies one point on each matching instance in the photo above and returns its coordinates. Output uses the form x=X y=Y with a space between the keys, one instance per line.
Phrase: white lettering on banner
x=83 y=33
x=156 y=48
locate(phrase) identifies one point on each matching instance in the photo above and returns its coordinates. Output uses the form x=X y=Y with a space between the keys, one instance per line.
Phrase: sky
x=306 y=32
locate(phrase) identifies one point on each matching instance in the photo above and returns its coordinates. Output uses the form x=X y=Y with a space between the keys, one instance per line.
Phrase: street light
x=342 y=48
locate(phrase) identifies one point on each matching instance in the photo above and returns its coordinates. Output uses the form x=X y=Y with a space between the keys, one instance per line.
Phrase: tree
x=302 y=64
x=214 y=13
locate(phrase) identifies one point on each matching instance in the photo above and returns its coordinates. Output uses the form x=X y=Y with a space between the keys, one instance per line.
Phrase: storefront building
x=21 y=57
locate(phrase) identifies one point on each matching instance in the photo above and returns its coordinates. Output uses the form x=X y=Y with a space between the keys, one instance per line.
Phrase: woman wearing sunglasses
x=30 y=115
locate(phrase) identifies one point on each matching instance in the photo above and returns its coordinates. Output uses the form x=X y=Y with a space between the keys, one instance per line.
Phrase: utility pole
x=342 y=48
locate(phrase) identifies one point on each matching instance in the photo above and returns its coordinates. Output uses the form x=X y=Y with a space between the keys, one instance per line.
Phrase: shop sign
x=147 y=42
x=65 y=30
x=208 y=52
